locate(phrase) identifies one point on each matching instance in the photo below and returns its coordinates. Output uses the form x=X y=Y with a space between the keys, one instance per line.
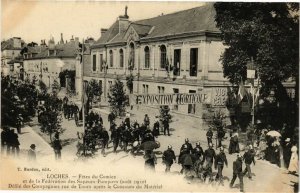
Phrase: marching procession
x=198 y=164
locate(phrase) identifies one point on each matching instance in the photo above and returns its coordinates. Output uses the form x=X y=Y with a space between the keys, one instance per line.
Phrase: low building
x=46 y=62
x=11 y=59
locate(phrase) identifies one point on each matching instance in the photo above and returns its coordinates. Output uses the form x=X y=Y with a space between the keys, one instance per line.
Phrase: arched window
x=121 y=58
x=163 y=56
x=131 y=55
x=147 y=57
x=111 y=58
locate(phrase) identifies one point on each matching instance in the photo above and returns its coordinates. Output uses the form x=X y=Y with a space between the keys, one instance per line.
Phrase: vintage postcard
x=170 y=96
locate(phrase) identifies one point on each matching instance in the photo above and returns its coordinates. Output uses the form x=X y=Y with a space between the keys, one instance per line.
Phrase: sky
x=36 y=20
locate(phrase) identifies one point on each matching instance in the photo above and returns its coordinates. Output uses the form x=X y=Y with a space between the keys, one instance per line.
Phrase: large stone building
x=173 y=53
x=11 y=58
x=46 y=62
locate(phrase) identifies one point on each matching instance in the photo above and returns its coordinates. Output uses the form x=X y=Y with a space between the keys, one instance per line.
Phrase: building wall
x=49 y=68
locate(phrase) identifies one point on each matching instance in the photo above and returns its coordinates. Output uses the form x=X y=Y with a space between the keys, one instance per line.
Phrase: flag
x=256 y=96
x=241 y=92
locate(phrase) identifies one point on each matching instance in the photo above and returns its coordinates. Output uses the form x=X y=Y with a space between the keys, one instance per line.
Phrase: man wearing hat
x=249 y=158
x=168 y=157
x=31 y=153
x=238 y=172
x=209 y=157
x=219 y=164
x=189 y=146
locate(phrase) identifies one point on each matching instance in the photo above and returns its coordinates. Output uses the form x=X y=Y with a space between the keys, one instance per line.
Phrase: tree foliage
x=117 y=98
x=164 y=114
x=94 y=89
x=51 y=116
x=267 y=32
x=17 y=98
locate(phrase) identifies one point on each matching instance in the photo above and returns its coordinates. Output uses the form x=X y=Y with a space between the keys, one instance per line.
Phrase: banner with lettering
x=170 y=99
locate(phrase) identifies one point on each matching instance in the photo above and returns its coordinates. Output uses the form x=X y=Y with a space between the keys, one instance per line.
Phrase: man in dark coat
x=146 y=120
x=150 y=160
x=238 y=172
x=56 y=144
x=220 y=135
x=198 y=151
x=185 y=159
x=15 y=144
x=126 y=137
x=105 y=138
x=111 y=117
x=209 y=135
x=166 y=127
x=209 y=157
x=155 y=130
x=219 y=164
x=168 y=157
x=189 y=146
x=115 y=137
x=4 y=135
x=249 y=158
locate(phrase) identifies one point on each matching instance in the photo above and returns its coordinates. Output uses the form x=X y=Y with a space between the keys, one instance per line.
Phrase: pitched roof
x=111 y=33
x=191 y=20
x=67 y=50
x=9 y=45
x=198 y=19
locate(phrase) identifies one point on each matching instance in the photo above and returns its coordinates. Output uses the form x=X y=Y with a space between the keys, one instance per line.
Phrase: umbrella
x=150 y=145
x=274 y=134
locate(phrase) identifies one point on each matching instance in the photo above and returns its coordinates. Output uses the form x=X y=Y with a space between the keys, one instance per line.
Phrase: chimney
x=103 y=31
x=123 y=21
x=72 y=39
x=16 y=42
x=61 y=39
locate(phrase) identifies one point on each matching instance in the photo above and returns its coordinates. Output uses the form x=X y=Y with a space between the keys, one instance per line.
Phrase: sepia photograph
x=149 y=96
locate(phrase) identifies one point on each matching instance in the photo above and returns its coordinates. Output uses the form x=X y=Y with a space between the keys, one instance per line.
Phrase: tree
x=117 y=98
x=94 y=89
x=266 y=32
x=43 y=87
x=164 y=114
x=51 y=117
x=55 y=86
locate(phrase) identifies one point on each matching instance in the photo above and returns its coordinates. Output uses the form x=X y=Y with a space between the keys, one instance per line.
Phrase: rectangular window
x=101 y=62
x=176 y=65
x=158 y=89
x=94 y=62
x=193 y=61
x=176 y=91
x=144 y=88
x=192 y=107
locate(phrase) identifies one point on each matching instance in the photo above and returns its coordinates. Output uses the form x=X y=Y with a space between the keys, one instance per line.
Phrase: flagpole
x=82 y=86
x=82 y=97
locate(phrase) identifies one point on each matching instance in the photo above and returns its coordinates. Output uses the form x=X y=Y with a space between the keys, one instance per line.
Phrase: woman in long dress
x=293 y=166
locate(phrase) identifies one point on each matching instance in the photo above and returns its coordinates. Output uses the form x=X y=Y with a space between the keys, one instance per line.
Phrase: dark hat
x=32 y=146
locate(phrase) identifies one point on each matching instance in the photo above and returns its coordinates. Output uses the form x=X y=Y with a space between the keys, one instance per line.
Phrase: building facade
x=173 y=53
x=46 y=62
x=11 y=58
